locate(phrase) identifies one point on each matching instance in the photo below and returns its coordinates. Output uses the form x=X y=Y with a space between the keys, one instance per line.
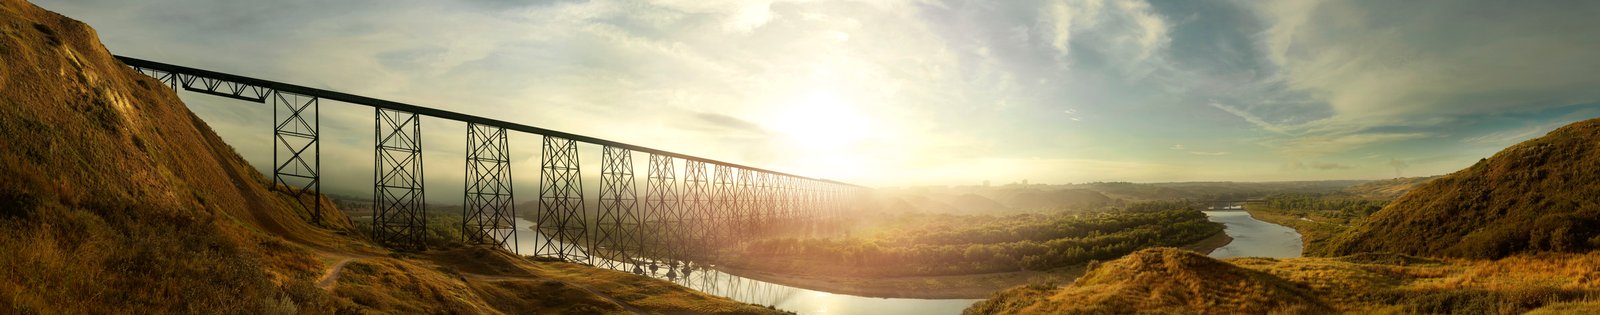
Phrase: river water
x=1255 y=238
x=802 y=301
x=1251 y=237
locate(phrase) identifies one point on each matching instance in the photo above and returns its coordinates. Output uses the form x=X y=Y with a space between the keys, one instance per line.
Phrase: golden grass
x=1535 y=196
x=1357 y=284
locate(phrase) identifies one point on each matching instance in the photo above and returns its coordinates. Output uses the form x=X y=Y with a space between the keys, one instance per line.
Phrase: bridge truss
x=689 y=206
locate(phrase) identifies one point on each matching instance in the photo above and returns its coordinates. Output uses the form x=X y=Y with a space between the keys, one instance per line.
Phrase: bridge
x=1230 y=204
x=689 y=205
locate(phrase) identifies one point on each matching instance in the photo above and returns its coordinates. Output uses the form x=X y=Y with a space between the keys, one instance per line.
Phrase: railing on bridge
x=684 y=211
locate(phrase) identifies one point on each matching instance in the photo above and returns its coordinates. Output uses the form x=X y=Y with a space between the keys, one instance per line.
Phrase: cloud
x=1511 y=136
x=1319 y=144
x=1379 y=62
x=921 y=84
x=722 y=124
x=1253 y=119
x=1180 y=147
x=1072 y=114
x=1334 y=76
x=1320 y=166
x=1128 y=30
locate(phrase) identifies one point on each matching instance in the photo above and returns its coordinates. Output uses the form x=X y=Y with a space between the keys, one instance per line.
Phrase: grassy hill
x=1387 y=189
x=1162 y=281
x=1539 y=195
x=116 y=198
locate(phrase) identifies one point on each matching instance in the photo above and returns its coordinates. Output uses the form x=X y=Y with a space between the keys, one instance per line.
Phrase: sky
x=909 y=92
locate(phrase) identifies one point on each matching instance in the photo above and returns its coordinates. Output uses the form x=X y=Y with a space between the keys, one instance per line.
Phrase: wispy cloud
x=1253 y=119
x=1085 y=89
x=1320 y=166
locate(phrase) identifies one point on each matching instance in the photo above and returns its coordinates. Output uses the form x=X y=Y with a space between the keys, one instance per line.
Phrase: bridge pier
x=722 y=210
x=488 y=210
x=744 y=206
x=561 y=218
x=696 y=189
x=617 y=234
x=662 y=203
x=294 y=140
x=399 y=217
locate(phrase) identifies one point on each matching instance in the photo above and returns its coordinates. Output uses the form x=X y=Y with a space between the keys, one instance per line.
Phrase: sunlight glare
x=826 y=126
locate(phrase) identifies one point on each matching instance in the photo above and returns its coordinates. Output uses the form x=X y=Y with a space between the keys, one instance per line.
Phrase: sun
x=821 y=121
x=824 y=127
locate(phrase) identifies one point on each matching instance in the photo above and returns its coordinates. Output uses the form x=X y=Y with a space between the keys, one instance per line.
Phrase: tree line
x=954 y=244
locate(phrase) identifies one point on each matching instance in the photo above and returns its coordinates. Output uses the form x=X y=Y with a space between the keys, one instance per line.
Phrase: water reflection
x=1255 y=238
x=706 y=279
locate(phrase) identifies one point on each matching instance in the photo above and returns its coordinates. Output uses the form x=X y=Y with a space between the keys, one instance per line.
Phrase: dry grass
x=1536 y=196
x=1357 y=284
x=1162 y=280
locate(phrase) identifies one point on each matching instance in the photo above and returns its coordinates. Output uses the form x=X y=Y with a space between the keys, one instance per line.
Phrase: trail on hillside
x=332 y=274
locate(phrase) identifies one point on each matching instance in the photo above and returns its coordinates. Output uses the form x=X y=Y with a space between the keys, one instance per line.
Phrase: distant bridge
x=1229 y=204
x=684 y=212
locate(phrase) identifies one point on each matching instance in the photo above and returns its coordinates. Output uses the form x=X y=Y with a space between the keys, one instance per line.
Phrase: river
x=1255 y=238
x=1251 y=237
x=802 y=301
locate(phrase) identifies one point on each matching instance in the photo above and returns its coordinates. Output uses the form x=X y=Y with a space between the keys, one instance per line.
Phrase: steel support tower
x=488 y=211
x=399 y=214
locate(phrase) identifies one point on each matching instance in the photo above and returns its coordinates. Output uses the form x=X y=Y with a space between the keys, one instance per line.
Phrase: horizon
x=935 y=93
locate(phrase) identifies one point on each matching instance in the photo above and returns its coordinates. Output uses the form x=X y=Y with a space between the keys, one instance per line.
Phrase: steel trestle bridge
x=687 y=207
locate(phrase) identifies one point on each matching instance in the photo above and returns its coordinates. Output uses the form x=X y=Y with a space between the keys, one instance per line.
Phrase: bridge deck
x=426 y=111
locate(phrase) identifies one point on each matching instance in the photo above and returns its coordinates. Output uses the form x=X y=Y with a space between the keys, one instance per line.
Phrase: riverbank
x=1314 y=231
x=1210 y=244
x=916 y=287
x=974 y=286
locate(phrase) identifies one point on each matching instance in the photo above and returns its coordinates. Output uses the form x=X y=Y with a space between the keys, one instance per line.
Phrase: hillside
x=1164 y=281
x=1055 y=199
x=1539 y=195
x=117 y=199
x=1161 y=280
x=1387 y=189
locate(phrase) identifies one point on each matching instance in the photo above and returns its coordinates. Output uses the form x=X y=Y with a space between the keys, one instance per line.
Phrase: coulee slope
x=1536 y=196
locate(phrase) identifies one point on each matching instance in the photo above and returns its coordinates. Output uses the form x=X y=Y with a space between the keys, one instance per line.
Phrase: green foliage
x=1339 y=206
x=443 y=230
x=952 y=245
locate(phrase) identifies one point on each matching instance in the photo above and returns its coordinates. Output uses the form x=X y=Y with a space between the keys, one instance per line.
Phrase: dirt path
x=332 y=275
